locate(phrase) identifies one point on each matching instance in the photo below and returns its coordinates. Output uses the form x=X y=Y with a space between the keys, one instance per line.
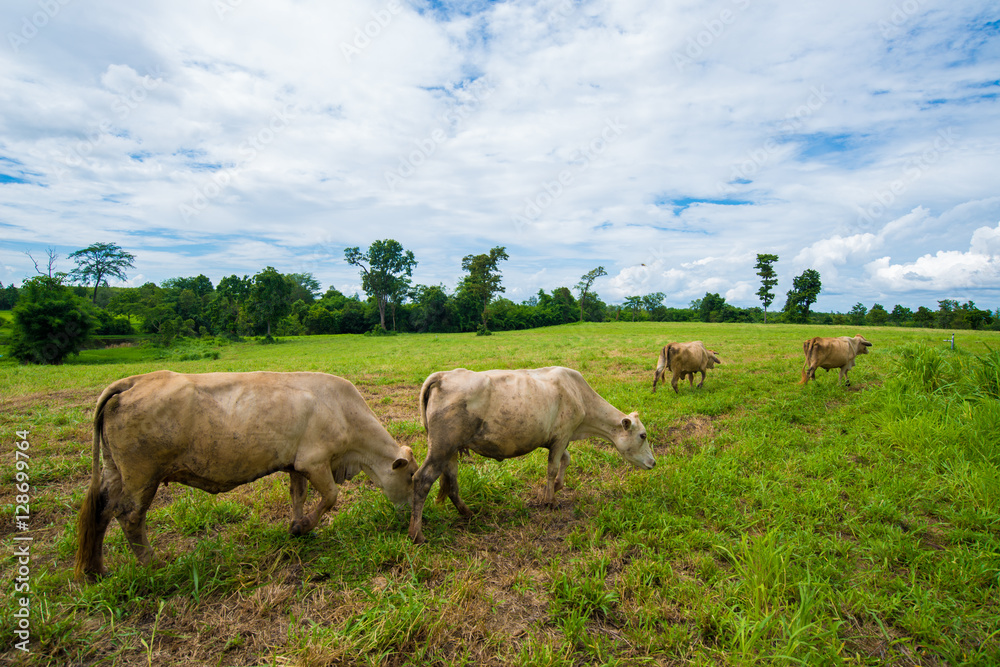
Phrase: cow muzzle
x=643 y=462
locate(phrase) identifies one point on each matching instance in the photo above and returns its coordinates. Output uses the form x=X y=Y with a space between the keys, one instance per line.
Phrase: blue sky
x=668 y=142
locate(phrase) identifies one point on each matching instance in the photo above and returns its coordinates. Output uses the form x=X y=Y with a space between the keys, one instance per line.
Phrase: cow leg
x=133 y=521
x=100 y=530
x=673 y=381
x=108 y=503
x=691 y=380
x=449 y=486
x=702 y=379
x=297 y=486
x=564 y=463
x=423 y=479
x=321 y=477
x=558 y=461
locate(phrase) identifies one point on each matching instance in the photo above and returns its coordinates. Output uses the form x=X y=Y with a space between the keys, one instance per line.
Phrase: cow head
x=862 y=345
x=713 y=359
x=631 y=442
x=398 y=483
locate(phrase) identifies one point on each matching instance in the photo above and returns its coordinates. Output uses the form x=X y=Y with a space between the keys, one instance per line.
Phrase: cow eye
x=642 y=435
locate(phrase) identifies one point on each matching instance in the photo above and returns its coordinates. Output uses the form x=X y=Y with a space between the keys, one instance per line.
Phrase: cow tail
x=94 y=502
x=807 y=347
x=432 y=381
x=661 y=366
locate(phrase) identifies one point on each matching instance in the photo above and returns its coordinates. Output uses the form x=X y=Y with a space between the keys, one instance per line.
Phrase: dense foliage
x=50 y=322
x=293 y=304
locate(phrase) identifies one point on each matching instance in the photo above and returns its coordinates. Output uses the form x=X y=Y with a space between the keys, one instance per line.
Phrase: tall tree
x=51 y=253
x=653 y=301
x=857 y=314
x=878 y=315
x=483 y=281
x=96 y=263
x=768 y=279
x=900 y=314
x=126 y=301
x=269 y=299
x=388 y=268
x=304 y=287
x=585 y=282
x=805 y=290
x=634 y=303
x=710 y=307
x=201 y=285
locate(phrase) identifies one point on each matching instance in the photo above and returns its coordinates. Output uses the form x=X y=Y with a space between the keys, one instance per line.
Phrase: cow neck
x=600 y=420
x=370 y=450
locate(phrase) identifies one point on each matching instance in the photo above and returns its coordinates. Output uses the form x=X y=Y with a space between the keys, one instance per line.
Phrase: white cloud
x=784 y=124
x=945 y=271
x=827 y=254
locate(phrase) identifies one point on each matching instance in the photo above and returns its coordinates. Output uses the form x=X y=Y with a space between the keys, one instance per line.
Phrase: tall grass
x=783 y=523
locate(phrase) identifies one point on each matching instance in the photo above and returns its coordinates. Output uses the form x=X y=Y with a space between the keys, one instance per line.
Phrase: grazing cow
x=832 y=353
x=216 y=431
x=501 y=414
x=684 y=360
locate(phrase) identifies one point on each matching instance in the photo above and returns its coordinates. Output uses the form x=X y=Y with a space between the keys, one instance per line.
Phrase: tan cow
x=832 y=353
x=684 y=360
x=501 y=414
x=216 y=431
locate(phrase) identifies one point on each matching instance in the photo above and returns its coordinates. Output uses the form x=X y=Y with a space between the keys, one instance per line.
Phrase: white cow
x=501 y=414
x=216 y=431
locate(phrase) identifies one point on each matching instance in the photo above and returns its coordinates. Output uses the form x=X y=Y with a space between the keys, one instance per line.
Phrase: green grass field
x=783 y=523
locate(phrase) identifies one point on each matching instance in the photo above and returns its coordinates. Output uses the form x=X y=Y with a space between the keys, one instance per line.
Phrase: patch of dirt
x=63 y=398
x=691 y=434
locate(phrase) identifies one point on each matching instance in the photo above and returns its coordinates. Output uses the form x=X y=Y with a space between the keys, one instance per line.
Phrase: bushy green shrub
x=50 y=322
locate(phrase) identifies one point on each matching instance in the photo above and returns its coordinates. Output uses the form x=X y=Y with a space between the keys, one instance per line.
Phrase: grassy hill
x=811 y=524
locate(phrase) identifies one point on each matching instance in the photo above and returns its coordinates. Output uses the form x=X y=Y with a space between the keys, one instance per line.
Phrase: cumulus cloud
x=622 y=133
x=827 y=254
x=946 y=270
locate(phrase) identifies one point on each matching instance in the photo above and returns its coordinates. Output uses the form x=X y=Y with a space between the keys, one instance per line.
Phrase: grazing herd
x=217 y=431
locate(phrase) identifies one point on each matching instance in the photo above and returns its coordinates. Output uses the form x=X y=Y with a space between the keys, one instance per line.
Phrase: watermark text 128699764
x=22 y=543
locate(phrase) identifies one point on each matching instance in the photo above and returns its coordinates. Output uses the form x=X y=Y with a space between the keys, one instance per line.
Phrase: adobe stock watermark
x=715 y=28
x=249 y=149
x=121 y=107
x=757 y=157
x=21 y=621
x=223 y=7
x=31 y=25
x=472 y=97
x=901 y=13
x=364 y=35
x=322 y=252
x=913 y=171
x=581 y=159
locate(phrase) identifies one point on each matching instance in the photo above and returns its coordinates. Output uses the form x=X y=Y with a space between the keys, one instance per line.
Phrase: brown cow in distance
x=216 y=431
x=684 y=360
x=832 y=353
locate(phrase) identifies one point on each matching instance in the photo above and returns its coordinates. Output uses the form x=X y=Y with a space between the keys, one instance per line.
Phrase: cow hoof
x=298 y=528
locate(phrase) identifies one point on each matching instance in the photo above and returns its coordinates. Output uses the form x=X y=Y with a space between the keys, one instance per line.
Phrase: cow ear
x=626 y=423
x=399 y=463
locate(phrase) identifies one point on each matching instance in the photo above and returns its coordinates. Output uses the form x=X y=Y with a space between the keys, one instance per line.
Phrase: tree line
x=54 y=313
